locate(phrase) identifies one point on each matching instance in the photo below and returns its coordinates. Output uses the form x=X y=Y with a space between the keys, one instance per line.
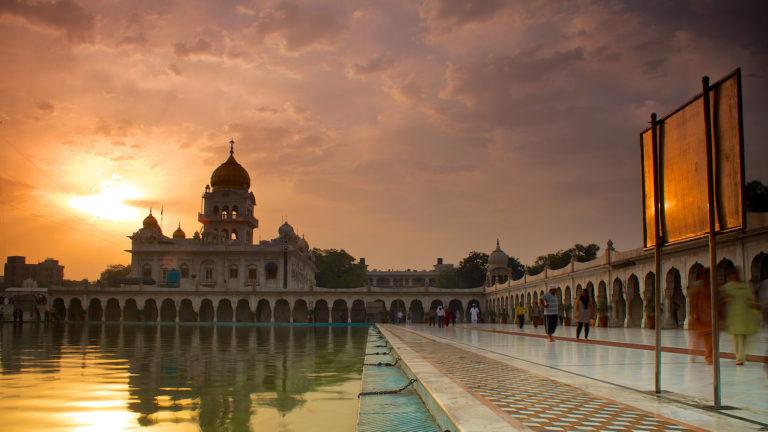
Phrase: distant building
x=47 y=273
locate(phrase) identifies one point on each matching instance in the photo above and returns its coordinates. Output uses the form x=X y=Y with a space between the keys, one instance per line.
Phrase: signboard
x=682 y=170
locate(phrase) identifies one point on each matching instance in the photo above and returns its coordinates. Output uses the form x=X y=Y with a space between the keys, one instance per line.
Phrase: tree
x=756 y=195
x=338 y=269
x=111 y=276
x=562 y=258
x=448 y=278
x=517 y=268
x=472 y=270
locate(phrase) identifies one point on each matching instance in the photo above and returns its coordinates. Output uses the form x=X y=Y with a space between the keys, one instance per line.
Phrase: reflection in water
x=90 y=377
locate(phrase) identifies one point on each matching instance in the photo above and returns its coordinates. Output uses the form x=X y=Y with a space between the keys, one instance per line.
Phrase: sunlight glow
x=109 y=202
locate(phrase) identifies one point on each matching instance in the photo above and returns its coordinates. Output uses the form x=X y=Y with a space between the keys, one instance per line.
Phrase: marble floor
x=684 y=377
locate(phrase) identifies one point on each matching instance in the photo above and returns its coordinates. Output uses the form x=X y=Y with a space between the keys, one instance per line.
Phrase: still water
x=90 y=377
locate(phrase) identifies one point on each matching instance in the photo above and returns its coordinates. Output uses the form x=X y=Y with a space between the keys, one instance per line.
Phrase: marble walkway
x=514 y=374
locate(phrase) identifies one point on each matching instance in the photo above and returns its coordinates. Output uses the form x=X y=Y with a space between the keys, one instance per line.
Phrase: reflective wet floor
x=180 y=378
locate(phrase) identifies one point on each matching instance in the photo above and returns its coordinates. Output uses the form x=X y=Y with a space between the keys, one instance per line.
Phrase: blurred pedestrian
x=742 y=313
x=700 y=322
x=536 y=314
x=440 y=316
x=520 y=314
x=548 y=303
x=454 y=312
x=431 y=317
x=583 y=314
x=447 y=317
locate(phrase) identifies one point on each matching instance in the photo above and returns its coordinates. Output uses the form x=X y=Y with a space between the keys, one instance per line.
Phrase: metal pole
x=656 y=255
x=713 y=283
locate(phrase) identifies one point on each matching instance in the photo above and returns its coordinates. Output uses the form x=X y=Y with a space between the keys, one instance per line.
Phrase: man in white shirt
x=440 y=316
x=474 y=312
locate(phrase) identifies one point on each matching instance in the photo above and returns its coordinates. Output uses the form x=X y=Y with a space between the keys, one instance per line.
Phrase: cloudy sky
x=400 y=131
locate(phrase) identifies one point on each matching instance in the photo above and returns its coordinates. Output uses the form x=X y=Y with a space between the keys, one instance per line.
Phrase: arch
x=75 y=311
x=384 y=312
x=528 y=300
x=590 y=287
x=233 y=234
x=59 y=309
x=263 y=311
x=339 y=311
x=457 y=310
x=395 y=306
x=243 y=311
x=725 y=268
x=758 y=270
x=131 y=312
x=235 y=211
x=233 y=272
x=206 y=313
x=224 y=235
x=568 y=302
x=224 y=311
x=674 y=298
x=416 y=309
x=95 y=312
x=168 y=311
x=649 y=300
x=602 y=298
x=321 y=313
x=187 y=311
x=437 y=302
x=357 y=314
x=300 y=311
x=225 y=212
x=150 y=310
x=282 y=311
x=112 y=310
x=618 y=304
x=635 y=308
x=473 y=302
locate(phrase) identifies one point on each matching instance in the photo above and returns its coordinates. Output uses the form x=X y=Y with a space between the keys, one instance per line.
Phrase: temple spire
x=231 y=146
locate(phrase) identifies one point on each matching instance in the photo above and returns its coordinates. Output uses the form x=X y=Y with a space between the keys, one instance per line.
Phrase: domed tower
x=228 y=204
x=498 y=266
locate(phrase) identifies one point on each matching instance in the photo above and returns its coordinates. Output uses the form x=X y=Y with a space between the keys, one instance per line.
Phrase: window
x=225 y=212
x=224 y=235
x=271 y=270
x=208 y=272
x=234 y=212
x=233 y=272
x=164 y=274
x=215 y=210
x=184 y=271
x=233 y=235
x=252 y=273
x=146 y=271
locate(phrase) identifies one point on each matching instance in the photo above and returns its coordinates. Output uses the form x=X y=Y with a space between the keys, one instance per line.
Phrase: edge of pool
x=450 y=405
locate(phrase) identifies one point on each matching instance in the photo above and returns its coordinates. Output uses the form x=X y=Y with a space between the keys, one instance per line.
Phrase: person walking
x=548 y=303
x=536 y=314
x=701 y=312
x=447 y=317
x=431 y=317
x=474 y=313
x=520 y=314
x=454 y=312
x=440 y=316
x=742 y=313
x=583 y=314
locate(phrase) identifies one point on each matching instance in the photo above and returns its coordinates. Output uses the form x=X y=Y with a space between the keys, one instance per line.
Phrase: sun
x=109 y=201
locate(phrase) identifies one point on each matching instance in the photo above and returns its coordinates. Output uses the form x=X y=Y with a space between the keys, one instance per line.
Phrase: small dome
x=151 y=222
x=179 y=233
x=497 y=258
x=285 y=230
x=230 y=174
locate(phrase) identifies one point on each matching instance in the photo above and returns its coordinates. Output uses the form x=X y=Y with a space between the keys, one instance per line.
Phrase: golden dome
x=151 y=222
x=179 y=233
x=230 y=174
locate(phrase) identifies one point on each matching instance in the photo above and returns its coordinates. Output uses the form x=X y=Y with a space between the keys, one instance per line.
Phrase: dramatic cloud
x=399 y=131
x=62 y=15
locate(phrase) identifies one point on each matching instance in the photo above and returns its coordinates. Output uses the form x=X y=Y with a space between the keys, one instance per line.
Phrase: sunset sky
x=398 y=130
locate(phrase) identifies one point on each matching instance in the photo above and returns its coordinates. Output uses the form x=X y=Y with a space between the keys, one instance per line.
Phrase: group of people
x=736 y=307
x=442 y=317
